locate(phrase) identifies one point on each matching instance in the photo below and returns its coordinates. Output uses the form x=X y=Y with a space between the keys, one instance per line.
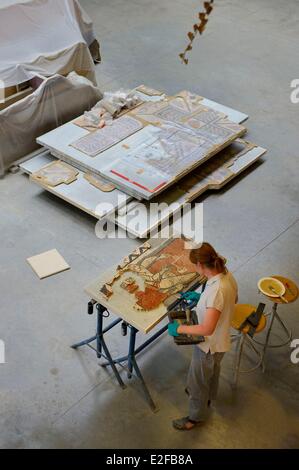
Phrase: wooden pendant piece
x=149 y=91
x=99 y=183
x=56 y=173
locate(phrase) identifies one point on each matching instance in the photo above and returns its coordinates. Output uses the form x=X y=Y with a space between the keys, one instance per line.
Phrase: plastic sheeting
x=56 y=101
x=44 y=37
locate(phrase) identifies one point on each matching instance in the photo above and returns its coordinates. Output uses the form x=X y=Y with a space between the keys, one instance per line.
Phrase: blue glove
x=172 y=328
x=191 y=296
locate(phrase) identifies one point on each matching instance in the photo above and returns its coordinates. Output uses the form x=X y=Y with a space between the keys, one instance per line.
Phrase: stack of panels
x=150 y=148
x=168 y=150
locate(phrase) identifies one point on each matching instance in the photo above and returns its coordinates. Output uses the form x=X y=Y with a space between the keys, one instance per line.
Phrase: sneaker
x=184 y=424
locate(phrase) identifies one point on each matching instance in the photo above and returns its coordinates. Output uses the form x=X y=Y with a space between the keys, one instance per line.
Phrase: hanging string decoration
x=198 y=28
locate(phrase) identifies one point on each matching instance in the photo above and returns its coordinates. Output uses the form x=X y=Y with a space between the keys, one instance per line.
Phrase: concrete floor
x=52 y=396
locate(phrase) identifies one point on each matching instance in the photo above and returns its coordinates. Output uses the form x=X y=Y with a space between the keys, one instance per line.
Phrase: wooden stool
x=291 y=294
x=242 y=311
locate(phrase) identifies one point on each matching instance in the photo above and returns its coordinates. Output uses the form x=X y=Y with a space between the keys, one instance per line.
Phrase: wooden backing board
x=212 y=175
x=48 y=263
x=122 y=303
x=80 y=193
x=59 y=143
x=99 y=183
x=38 y=161
x=232 y=114
x=59 y=140
x=56 y=173
x=85 y=197
x=97 y=142
x=149 y=91
x=147 y=170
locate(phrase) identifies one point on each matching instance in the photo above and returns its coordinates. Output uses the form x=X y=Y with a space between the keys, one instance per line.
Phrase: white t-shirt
x=220 y=293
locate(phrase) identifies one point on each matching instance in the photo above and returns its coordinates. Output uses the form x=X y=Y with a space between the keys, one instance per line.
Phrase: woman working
x=214 y=311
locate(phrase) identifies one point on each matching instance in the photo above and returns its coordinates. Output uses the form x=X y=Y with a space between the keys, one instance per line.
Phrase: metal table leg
x=130 y=358
x=140 y=348
x=116 y=373
x=131 y=351
x=99 y=330
x=100 y=342
x=132 y=365
x=132 y=362
x=143 y=384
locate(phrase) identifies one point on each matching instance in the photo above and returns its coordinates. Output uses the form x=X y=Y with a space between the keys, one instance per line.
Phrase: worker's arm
x=206 y=328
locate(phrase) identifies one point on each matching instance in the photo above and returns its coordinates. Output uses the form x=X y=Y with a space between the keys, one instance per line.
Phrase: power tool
x=185 y=314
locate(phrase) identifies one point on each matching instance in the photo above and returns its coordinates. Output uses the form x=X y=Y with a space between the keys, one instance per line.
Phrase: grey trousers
x=202 y=383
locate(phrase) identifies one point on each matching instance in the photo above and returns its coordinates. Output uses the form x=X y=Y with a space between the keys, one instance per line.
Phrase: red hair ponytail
x=207 y=256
